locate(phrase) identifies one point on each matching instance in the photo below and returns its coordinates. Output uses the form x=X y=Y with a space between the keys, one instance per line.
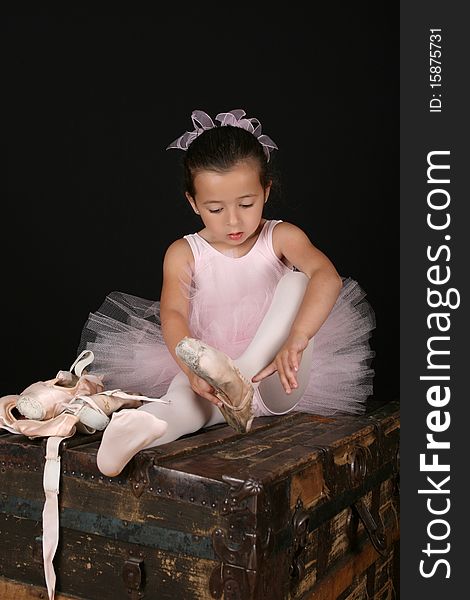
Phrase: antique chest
x=301 y=507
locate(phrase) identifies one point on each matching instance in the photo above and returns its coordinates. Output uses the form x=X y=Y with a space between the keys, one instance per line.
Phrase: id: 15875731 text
x=435 y=70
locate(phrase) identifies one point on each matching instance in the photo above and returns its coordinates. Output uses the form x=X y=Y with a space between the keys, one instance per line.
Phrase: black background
x=94 y=199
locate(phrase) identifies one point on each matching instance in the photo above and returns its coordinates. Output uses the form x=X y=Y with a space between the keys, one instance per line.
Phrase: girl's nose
x=232 y=218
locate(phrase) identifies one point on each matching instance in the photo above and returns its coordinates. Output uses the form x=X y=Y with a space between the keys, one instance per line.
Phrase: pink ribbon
x=202 y=121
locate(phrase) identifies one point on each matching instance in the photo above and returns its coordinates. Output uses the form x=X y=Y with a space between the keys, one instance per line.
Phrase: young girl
x=253 y=319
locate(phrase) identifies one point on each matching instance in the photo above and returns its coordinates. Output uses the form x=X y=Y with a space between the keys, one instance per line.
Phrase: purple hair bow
x=203 y=121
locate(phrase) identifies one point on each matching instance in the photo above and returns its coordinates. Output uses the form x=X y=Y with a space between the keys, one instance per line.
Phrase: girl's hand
x=286 y=362
x=203 y=389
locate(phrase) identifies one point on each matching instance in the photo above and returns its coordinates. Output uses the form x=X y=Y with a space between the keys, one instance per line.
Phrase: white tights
x=187 y=412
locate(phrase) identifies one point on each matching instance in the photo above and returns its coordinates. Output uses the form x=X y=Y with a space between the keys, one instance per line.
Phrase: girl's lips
x=235 y=236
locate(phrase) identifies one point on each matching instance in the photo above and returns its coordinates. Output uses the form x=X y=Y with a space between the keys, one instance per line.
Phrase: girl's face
x=230 y=204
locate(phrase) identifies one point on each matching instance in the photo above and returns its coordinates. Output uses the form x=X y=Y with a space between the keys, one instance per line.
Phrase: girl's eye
x=215 y=211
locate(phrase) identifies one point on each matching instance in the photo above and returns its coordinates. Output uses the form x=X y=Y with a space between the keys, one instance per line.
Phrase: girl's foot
x=128 y=432
x=218 y=370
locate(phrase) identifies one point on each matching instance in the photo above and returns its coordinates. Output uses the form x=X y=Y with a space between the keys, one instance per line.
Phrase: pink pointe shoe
x=45 y=399
x=94 y=411
x=218 y=370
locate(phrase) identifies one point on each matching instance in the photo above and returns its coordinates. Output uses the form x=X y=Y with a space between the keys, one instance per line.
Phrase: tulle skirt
x=130 y=353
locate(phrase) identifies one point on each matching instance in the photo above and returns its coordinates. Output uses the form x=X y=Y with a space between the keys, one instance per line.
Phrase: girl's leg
x=185 y=413
x=132 y=430
x=270 y=336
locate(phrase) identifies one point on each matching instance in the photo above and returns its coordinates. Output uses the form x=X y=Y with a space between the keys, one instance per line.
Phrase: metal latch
x=133 y=577
x=374 y=530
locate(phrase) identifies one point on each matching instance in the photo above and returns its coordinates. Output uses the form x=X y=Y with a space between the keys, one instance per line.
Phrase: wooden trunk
x=301 y=507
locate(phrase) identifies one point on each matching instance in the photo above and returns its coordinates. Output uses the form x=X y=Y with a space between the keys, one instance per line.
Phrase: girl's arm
x=174 y=305
x=174 y=309
x=290 y=242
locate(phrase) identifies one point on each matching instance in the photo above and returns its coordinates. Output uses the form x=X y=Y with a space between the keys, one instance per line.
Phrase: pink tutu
x=125 y=336
x=341 y=375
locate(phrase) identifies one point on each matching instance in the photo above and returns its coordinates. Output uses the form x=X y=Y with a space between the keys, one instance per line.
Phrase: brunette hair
x=221 y=148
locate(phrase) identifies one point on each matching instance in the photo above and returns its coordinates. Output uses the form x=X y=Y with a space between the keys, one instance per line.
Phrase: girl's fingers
x=215 y=400
x=294 y=360
x=294 y=366
x=288 y=373
x=269 y=370
x=211 y=398
x=286 y=364
x=284 y=382
x=203 y=389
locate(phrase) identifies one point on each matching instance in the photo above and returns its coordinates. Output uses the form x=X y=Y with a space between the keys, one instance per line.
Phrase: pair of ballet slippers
x=216 y=368
x=75 y=392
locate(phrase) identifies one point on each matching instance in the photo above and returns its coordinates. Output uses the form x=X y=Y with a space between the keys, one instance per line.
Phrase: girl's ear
x=192 y=202
x=267 y=189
